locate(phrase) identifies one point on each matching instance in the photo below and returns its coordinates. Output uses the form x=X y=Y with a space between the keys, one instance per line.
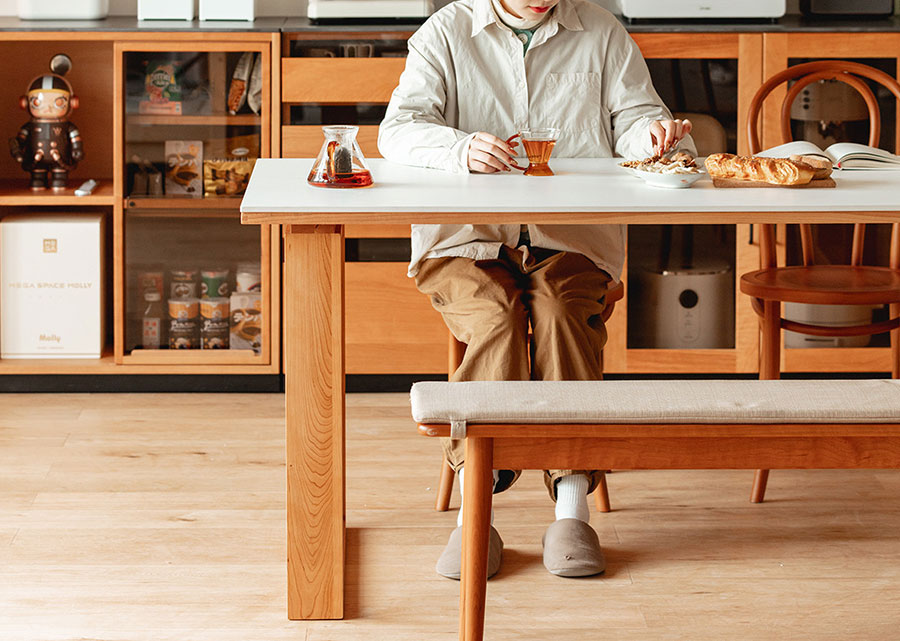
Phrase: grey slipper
x=450 y=562
x=572 y=548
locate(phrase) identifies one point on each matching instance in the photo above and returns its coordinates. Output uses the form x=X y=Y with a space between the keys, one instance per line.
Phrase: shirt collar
x=564 y=14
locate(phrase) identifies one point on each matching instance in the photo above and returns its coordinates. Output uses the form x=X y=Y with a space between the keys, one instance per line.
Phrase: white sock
x=571 y=498
x=459 y=475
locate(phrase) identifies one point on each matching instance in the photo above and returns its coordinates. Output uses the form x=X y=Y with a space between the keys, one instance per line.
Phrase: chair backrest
x=852 y=74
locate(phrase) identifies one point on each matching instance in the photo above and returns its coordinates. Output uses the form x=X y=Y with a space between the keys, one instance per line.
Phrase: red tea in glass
x=538 y=144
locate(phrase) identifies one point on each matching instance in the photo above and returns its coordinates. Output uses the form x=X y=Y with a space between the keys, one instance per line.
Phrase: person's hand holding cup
x=489 y=154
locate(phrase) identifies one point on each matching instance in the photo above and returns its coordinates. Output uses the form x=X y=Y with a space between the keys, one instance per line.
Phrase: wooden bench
x=664 y=424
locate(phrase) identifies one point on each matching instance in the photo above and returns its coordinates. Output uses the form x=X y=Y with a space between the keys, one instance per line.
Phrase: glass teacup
x=538 y=145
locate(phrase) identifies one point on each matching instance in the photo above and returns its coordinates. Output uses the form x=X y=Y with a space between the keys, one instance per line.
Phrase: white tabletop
x=278 y=192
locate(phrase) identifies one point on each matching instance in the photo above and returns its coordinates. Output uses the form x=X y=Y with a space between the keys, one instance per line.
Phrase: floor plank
x=161 y=517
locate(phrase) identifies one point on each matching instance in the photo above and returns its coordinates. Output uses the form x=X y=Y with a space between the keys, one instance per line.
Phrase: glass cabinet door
x=195 y=283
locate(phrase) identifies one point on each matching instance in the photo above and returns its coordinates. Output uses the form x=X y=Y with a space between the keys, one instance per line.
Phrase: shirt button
x=522 y=37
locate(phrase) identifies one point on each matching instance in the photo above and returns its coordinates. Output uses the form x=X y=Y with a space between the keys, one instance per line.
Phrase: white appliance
x=674 y=9
x=165 y=9
x=228 y=10
x=63 y=9
x=51 y=286
x=830 y=315
x=357 y=10
x=684 y=308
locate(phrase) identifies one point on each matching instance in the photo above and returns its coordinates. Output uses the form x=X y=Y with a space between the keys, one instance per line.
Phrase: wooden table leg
x=314 y=397
x=476 y=535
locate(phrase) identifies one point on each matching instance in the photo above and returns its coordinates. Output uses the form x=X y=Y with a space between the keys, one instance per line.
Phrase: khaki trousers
x=488 y=304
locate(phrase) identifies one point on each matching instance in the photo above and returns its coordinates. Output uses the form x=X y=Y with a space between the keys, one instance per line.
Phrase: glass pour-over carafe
x=340 y=162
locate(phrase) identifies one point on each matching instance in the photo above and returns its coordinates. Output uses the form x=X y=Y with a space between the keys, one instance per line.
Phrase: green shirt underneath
x=525 y=36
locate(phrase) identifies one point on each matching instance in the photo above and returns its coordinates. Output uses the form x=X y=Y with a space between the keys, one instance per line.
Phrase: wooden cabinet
x=381 y=345
x=153 y=228
x=311 y=78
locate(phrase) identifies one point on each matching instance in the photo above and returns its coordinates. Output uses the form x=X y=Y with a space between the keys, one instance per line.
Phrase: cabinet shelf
x=17 y=193
x=212 y=119
x=193 y=214
x=173 y=203
x=29 y=366
x=193 y=357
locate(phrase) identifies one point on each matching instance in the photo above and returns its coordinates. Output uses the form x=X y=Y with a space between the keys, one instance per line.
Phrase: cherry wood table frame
x=313 y=219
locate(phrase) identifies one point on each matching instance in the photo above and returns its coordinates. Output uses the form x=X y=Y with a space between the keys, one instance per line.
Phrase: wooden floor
x=161 y=517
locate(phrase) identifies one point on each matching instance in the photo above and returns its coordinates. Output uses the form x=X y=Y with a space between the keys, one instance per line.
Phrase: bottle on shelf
x=152 y=320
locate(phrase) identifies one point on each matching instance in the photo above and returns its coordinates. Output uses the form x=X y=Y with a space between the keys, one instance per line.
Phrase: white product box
x=165 y=9
x=227 y=9
x=63 y=9
x=51 y=286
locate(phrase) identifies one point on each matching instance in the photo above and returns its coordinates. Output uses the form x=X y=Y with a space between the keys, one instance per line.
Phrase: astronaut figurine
x=49 y=143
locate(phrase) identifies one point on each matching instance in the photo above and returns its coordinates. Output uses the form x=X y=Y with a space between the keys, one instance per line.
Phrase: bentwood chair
x=811 y=283
x=456 y=352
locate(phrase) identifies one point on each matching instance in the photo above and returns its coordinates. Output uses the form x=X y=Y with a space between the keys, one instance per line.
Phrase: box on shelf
x=51 y=286
x=165 y=9
x=63 y=9
x=162 y=88
x=246 y=321
x=226 y=176
x=184 y=167
x=227 y=9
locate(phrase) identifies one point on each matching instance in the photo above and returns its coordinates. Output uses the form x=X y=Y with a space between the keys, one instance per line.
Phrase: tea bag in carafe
x=340 y=162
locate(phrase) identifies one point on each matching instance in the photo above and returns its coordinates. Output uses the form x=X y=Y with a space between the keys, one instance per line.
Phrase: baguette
x=775 y=171
x=823 y=166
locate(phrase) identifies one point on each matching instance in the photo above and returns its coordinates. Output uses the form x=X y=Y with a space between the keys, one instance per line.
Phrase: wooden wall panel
x=693 y=45
x=377 y=231
x=304 y=141
x=391 y=327
x=339 y=80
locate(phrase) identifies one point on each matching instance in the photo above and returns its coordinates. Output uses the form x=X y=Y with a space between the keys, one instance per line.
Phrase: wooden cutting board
x=733 y=182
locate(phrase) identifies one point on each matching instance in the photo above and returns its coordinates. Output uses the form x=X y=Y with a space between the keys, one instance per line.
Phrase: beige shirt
x=466 y=73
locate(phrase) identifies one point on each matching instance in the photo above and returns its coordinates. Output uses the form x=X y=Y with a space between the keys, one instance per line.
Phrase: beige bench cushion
x=659 y=401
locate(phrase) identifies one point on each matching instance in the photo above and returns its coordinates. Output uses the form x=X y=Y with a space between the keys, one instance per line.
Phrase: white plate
x=667 y=181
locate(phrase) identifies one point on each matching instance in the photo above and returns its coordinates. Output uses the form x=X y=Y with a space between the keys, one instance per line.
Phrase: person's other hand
x=489 y=154
x=665 y=133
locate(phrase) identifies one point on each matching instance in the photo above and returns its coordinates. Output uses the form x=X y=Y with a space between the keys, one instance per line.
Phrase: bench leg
x=759 y=486
x=895 y=342
x=445 y=488
x=476 y=534
x=601 y=495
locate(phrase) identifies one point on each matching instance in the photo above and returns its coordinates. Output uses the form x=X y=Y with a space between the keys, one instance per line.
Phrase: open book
x=844 y=155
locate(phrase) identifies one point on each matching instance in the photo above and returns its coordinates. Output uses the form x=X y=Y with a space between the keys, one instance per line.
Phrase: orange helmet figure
x=49 y=146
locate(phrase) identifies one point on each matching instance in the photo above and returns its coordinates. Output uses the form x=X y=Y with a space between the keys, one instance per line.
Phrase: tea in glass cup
x=538 y=145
